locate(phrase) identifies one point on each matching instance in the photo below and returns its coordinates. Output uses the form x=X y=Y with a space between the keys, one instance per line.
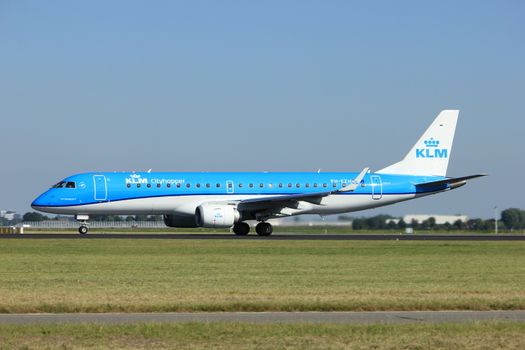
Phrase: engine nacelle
x=216 y=215
x=180 y=221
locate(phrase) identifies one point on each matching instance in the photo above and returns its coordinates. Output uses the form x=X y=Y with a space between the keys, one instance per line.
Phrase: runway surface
x=271 y=317
x=275 y=236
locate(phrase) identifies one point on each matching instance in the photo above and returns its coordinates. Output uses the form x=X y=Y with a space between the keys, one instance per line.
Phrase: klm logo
x=431 y=150
x=135 y=179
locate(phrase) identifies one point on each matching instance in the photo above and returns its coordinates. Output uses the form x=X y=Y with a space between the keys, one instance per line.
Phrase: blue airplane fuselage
x=124 y=192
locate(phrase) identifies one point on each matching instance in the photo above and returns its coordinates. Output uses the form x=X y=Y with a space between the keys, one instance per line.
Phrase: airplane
x=229 y=199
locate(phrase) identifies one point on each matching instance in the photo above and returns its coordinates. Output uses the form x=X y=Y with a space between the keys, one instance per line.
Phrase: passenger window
x=289 y=185
x=169 y=185
x=178 y=185
x=315 y=185
x=128 y=185
x=270 y=185
x=138 y=185
x=218 y=185
x=207 y=185
x=325 y=185
x=261 y=185
x=158 y=185
x=334 y=184
x=280 y=185
x=198 y=185
x=297 y=185
x=307 y=185
x=251 y=185
x=188 y=185
x=148 y=185
x=240 y=185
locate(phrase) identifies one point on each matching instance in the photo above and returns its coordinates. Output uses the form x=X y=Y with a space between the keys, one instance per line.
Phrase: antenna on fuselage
x=319 y=171
x=149 y=171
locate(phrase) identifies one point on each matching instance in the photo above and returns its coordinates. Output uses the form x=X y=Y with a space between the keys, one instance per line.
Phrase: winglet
x=355 y=182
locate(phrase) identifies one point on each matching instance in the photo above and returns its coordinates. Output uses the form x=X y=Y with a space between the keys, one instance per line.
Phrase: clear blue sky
x=269 y=86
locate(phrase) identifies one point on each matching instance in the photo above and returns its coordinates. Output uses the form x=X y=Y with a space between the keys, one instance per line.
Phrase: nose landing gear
x=83 y=220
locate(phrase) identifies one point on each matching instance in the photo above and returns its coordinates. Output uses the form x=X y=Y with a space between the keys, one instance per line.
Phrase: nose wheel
x=83 y=220
x=264 y=229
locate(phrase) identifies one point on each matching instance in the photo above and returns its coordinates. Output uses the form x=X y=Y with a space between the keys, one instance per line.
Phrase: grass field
x=491 y=335
x=240 y=275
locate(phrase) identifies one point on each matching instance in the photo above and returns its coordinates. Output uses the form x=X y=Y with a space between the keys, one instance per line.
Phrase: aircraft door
x=377 y=187
x=229 y=187
x=100 y=187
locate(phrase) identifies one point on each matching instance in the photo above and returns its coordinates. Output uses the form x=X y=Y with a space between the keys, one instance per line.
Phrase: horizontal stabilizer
x=452 y=182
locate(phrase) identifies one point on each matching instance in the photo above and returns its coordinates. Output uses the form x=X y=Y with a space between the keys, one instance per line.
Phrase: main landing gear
x=262 y=229
x=241 y=229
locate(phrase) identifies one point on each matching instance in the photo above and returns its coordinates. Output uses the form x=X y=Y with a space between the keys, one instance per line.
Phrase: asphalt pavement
x=289 y=236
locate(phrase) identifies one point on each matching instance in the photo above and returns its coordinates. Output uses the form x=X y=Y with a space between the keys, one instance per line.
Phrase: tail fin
x=431 y=153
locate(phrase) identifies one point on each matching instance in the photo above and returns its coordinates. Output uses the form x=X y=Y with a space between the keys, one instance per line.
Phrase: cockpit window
x=65 y=184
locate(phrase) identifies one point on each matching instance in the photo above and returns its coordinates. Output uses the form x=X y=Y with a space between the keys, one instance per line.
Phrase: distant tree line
x=511 y=219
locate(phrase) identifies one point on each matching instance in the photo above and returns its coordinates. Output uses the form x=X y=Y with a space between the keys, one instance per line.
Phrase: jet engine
x=180 y=221
x=216 y=215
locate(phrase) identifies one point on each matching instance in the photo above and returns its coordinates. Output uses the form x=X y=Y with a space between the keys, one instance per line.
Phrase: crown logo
x=431 y=142
x=134 y=176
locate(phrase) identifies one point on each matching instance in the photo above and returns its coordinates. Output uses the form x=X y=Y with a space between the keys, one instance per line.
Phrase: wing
x=292 y=200
x=277 y=202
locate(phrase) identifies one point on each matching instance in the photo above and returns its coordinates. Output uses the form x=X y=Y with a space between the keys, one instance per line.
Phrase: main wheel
x=83 y=230
x=264 y=229
x=241 y=229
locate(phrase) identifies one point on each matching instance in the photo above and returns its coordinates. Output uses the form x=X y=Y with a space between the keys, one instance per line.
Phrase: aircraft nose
x=43 y=200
